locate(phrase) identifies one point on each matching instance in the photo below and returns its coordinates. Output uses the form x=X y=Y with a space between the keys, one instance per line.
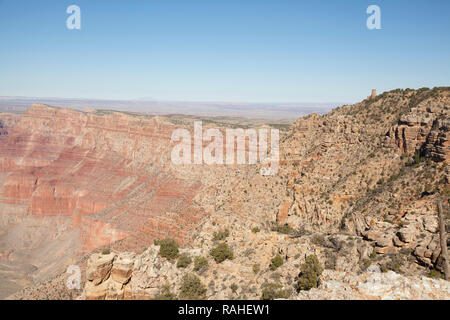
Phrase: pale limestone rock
x=96 y=292
x=430 y=223
x=407 y=234
x=99 y=267
x=377 y=286
x=398 y=242
x=374 y=268
x=115 y=290
x=122 y=267
x=373 y=234
x=385 y=241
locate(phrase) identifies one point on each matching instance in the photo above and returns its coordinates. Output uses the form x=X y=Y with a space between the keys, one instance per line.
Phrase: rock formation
x=356 y=188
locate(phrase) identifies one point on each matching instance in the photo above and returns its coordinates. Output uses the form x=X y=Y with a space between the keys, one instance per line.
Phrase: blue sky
x=227 y=50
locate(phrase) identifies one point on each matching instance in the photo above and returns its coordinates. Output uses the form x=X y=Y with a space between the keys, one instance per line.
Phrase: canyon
x=356 y=187
x=74 y=181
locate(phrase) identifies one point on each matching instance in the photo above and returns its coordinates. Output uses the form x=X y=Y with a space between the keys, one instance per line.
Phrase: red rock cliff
x=109 y=171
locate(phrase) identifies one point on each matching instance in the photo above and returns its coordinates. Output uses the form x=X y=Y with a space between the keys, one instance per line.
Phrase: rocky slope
x=146 y=276
x=72 y=181
x=356 y=187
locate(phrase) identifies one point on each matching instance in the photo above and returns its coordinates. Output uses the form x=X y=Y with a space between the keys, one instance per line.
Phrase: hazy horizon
x=288 y=110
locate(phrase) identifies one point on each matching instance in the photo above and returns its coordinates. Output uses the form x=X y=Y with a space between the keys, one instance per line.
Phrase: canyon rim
x=356 y=188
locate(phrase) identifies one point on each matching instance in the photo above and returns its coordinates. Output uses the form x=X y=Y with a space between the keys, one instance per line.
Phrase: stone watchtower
x=373 y=95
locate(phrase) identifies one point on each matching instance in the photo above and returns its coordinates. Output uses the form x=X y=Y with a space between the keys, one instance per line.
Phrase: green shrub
x=221 y=252
x=200 y=263
x=435 y=274
x=256 y=268
x=183 y=261
x=106 y=251
x=192 y=288
x=394 y=263
x=255 y=230
x=331 y=260
x=234 y=287
x=364 y=264
x=165 y=294
x=310 y=272
x=285 y=229
x=318 y=239
x=168 y=248
x=417 y=157
x=271 y=291
x=373 y=255
x=221 y=235
x=276 y=262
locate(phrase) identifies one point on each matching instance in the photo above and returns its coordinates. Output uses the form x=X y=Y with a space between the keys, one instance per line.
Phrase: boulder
x=398 y=242
x=115 y=291
x=374 y=268
x=123 y=267
x=430 y=223
x=99 y=267
x=372 y=235
x=385 y=241
x=407 y=234
x=96 y=292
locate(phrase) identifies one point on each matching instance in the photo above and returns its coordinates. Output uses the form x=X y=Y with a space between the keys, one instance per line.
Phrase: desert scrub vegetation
x=276 y=262
x=183 y=260
x=435 y=274
x=165 y=294
x=255 y=268
x=271 y=291
x=222 y=252
x=285 y=228
x=331 y=260
x=200 y=264
x=393 y=263
x=373 y=255
x=221 y=235
x=168 y=248
x=310 y=272
x=192 y=288
x=364 y=264
x=255 y=230
x=318 y=239
x=106 y=251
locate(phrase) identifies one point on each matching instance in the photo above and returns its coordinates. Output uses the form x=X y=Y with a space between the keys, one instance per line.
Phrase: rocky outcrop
x=377 y=286
x=357 y=187
x=437 y=145
x=423 y=128
x=149 y=273
x=99 y=268
x=108 y=276
x=122 y=268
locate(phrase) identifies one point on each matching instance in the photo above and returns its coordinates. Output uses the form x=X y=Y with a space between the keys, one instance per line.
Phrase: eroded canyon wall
x=108 y=172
